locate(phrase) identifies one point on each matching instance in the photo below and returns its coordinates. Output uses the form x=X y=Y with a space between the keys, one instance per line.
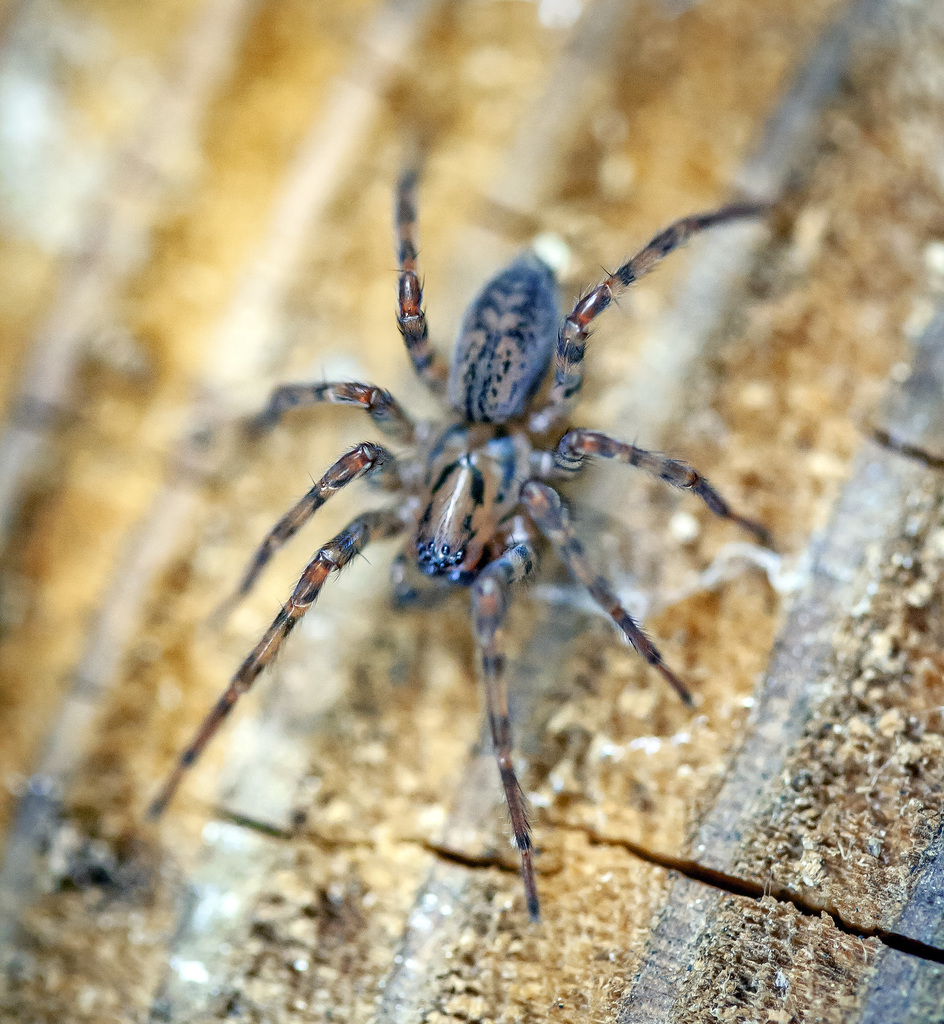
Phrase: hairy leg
x=546 y=509
x=411 y=317
x=382 y=407
x=360 y=461
x=572 y=340
x=330 y=558
x=577 y=446
x=490 y=597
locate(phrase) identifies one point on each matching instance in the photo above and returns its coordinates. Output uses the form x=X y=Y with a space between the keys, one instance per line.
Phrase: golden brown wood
x=397 y=898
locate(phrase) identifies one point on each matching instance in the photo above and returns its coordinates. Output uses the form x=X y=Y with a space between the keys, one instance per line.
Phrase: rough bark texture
x=207 y=215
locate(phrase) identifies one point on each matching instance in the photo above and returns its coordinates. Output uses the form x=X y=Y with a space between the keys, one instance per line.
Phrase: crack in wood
x=451 y=855
x=899 y=446
x=442 y=851
x=691 y=869
x=752 y=890
x=255 y=825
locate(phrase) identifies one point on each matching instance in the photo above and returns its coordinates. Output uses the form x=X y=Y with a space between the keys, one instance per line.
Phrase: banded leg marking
x=544 y=505
x=332 y=557
x=579 y=445
x=365 y=458
x=490 y=598
x=572 y=339
x=411 y=317
x=382 y=407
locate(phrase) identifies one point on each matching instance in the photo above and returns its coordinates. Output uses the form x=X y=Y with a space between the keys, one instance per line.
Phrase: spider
x=476 y=498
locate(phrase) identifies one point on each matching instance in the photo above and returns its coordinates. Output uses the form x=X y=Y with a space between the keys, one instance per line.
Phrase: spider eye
x=460 y=554
x=445 y=549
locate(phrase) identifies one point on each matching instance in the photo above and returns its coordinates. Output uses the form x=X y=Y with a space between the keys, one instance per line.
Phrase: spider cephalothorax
x=475 y=495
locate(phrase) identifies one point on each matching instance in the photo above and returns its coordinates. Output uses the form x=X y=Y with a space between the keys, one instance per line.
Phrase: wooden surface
x=217 y=220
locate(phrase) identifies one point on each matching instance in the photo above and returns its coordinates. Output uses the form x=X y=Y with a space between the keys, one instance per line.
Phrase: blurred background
x=195 y=205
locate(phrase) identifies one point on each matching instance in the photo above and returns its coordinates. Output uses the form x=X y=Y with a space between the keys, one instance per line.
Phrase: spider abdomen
x=505 y=343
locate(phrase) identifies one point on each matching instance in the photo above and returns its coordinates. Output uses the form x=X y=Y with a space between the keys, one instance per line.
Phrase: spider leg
x=382 y=407
x=411 y=317
x=490 y=598
x=577 y=446
x=332 y=557
x=544 y=505
x=572 y=339
x=364 y=459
